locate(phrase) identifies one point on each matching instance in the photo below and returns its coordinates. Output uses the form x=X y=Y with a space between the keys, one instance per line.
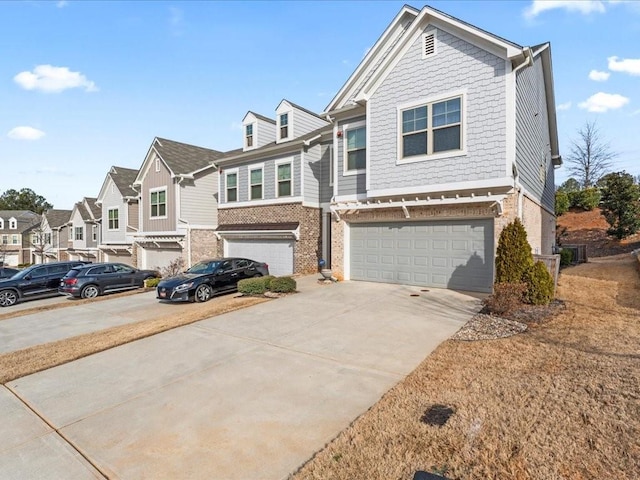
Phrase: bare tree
x=40 y=242
x=590 y=156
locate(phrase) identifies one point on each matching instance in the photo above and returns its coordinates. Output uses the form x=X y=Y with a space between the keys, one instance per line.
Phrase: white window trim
x=430 y=100
x=232 y=171
x=13 y=224
x=117 y=209
x=157 y=164
x=289 y=136
x=14 y=236
x=331 y=167
x=434 y=32
x=75 y=234
x=94 y=233
x=277 y=164
x=166 y=202
x=251 y=169
x=345 y=128
x=1 y=224
x=254 y=125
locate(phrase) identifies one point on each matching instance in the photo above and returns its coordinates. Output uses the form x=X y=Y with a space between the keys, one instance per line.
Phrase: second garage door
x=278 y=254
x=446 y=254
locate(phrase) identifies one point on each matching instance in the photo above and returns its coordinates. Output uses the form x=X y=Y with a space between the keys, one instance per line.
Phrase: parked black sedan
x=205 y=278
x=89 y=281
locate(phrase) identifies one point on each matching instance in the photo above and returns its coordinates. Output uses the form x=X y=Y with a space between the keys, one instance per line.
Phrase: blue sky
x=87 y=85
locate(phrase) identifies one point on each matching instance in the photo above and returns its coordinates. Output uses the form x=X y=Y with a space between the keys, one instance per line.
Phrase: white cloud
x=584 y=7
x=602 y=102
x=598 y=76
x=625 y=65
x=25 y=133
x=564 y=106
x=50 y=79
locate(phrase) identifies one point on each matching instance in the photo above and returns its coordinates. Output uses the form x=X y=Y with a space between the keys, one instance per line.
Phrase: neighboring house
x=443 y=135
x=15 y=236
x=52 y=237
x=273 y=193
x=84 y=231
x=177 y=186
x=119 y=204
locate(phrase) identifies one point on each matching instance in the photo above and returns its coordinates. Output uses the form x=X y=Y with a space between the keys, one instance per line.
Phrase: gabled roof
x=25 y=219
x=87 y=209
x=398 y=36
x=184 y=159
x=57 y=218
x=94 y=210
x=124 y=178
x=259 y=117
x=298 y=107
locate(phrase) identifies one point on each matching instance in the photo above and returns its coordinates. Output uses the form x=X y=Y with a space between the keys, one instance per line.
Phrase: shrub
x=505 y=298
x=151 y=282
x=513 y=256
x=562 y=202
x=540 y=285
x=566 y=257
x=283 y=285
x=175 y=267
x=267 y=281
x=253 y=286
x=586 y=199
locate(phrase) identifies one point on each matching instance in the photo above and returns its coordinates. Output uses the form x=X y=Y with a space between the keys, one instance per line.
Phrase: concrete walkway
x=249 y=394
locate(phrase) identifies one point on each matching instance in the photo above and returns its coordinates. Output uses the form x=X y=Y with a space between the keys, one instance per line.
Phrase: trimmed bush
x=505 y=298
x=566 y=257
x=151 y=282
x=267 y=281
x=540 y=285
x=253 y=286
x=283 y=285
x=513 y=256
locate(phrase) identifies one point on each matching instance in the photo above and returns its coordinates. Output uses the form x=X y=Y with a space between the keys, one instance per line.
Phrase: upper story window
x=47 y=238
x=13 y=224
x=284 y=180
x=255 y=180
x=14 y=239
x=79 y=233
x=248 y=136
x=431 y=128
x=94 y=232
x=231 y=179
x=158 y=202
x=283 y=121
x=5 y=239
x=114 y=221
x=35 y=239
x=1 y=223
x=356 y=149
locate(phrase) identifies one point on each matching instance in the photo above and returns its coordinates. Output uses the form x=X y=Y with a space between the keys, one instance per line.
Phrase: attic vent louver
x=428 y=43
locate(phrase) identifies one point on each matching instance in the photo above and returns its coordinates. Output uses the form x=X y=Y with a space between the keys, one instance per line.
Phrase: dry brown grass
x=40 y=357
x=561 y=401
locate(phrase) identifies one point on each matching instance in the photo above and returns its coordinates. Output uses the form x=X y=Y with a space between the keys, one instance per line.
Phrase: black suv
x=89 y=281
x=34 y=281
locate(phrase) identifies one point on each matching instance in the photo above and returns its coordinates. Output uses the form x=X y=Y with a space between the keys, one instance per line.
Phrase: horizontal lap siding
x=113 y=199
x=458 y=65
x=198 y=203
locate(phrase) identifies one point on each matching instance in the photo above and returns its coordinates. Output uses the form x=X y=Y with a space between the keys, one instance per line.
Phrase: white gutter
x=311 y=140
x=262 y=233
x=528 y=55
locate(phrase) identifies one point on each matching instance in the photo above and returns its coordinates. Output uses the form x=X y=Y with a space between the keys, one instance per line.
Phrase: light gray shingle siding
x=533 y=152
x=348 y=184
x=458 y=65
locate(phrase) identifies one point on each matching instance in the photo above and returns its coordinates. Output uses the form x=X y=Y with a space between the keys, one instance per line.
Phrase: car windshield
x=23 y=273
x=204 y=267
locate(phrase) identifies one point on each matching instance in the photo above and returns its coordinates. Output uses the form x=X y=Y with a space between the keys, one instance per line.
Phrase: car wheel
x=8 y=298
x=257 y=275
x=203 y=293
x=90 y=291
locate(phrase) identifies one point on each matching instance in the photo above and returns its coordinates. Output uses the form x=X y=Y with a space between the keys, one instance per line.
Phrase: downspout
x=528 y=54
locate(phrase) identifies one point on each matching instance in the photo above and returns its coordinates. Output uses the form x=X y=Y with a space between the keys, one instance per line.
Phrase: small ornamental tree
x=620 y=204
x=513 y=256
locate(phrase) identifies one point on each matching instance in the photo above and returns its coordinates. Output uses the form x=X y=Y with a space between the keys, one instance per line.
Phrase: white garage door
x=278 y=254
x=10 y=259
x=115 y=257
x=447 y=254
x=158 y=258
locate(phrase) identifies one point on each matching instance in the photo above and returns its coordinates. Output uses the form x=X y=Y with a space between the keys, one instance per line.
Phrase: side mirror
x=27 y=277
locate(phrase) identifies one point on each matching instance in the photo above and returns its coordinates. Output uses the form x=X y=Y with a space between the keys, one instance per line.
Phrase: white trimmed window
x=47 y=238
x=431 y=128
x=284 y=180
x=5 y=239
x=355 y=148
x=13 y=224
x=283 y=126
x=255 y=183
x=114 y=221
x=79 y=233
x=231 y=183
x=158 y=203
x=248 y=136
x=1 y=223
x=331 y=167
x=35 y=239
x=14 y=239
x=94 y=233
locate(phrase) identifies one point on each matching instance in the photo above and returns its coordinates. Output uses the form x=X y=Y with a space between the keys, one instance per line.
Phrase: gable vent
x=428 y=44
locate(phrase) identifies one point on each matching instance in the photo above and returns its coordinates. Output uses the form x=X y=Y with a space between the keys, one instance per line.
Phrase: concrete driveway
x=249 y=394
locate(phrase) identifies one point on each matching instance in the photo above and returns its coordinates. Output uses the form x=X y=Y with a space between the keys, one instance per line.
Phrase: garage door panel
x=447 y=254
x=278 y=254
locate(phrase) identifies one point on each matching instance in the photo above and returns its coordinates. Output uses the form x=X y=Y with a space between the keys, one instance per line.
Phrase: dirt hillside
x=590 y=228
